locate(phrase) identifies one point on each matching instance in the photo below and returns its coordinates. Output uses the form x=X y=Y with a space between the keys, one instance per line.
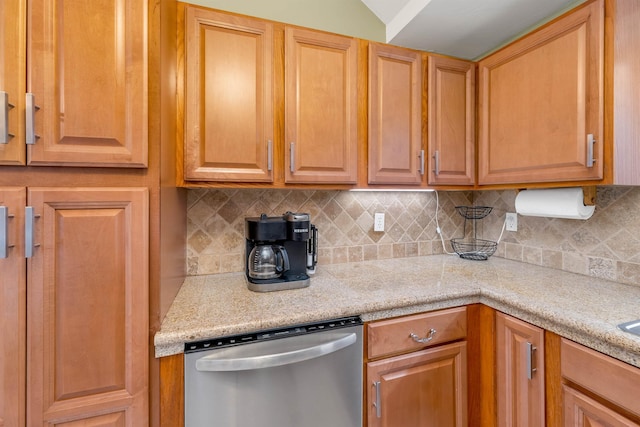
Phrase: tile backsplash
x=605 y=246
x=215 y=227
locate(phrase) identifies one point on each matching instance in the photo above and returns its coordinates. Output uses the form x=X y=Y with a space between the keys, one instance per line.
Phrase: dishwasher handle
x=234 y=360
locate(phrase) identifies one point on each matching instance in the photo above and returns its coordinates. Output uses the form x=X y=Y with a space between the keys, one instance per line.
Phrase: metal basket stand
x=473 y=248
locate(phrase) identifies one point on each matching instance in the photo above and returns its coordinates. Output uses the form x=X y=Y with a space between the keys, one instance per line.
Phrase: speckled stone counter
x=581 y=308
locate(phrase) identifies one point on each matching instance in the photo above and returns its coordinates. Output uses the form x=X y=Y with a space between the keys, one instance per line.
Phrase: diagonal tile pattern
x=215 y=229
x=605 y=246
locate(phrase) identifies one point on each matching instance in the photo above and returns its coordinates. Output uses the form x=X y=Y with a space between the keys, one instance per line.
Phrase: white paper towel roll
x=553 y=203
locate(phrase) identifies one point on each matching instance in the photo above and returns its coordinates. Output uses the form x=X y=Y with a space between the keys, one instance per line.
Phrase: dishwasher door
x=306 y=380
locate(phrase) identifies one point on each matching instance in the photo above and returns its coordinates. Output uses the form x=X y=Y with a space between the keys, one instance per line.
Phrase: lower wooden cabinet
x=580 y=410
x=84 y=356
x=598 y=390
x=426 y=386
x=520 y=373
x=13 y=288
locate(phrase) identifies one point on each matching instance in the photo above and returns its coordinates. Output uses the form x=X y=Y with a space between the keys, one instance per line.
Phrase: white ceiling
x=462 y=28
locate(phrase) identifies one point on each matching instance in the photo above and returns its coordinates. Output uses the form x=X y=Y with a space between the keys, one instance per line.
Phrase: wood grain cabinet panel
x=582 y=411
x=451 y=121
x=540 y=99
x=87 y=312
x=623 y=89
x=427 y=387
x=228 y=98
x=87 y=71
x=12 y=81
x=12 y=308
x=587 y=369
x=393 y=336
x=520 y=373
x=396 y=154
x=320 y=107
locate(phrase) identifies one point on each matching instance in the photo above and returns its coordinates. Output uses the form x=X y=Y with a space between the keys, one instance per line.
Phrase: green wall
x=349 y=17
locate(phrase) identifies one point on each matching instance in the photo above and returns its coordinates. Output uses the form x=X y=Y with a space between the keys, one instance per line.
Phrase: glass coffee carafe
x=268 y=261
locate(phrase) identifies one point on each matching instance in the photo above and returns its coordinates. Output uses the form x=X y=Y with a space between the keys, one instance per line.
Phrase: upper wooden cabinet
x=541 y=104
x=451 y=121
x=85 y=67
x=622 y=90
x=12 y=81
x=396 y=154
x=228 y=98
x=321 y=97
x=243 y=78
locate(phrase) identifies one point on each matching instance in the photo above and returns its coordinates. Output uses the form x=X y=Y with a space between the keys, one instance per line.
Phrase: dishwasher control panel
x=271 y=334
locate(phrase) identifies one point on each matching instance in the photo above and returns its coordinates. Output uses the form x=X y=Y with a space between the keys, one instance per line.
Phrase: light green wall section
x=349 y=17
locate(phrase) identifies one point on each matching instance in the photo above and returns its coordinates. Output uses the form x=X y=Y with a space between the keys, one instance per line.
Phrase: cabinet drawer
x=602 y=375
x=395 y=335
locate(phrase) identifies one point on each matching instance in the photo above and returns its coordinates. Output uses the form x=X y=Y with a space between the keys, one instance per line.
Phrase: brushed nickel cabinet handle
x=429 y=337
x=292 y=157
x=436 y=163
x=531 y=368
x=4 y=232
x=376 y=404
x=269 y=155
x=590 y=143
x=30 y=118
x=29 y=220
x=5 y=136
x=421 y=156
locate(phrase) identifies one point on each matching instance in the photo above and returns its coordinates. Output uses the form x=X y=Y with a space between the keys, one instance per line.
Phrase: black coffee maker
x=280 y=252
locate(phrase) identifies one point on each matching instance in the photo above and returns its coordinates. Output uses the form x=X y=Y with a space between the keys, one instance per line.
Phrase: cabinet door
x=12 y=308
x=540 y=99
x=88 y=311
x=520 y=373
x=12 y=81
x=320 y=107
x=580 y=411
x=87 y=71
x=451 y=121
x=426 y=388
x=228 y=98
x=396 y=155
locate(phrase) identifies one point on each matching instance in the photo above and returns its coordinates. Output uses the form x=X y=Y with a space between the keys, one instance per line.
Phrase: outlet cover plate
x=378 y=221
x=512 y=221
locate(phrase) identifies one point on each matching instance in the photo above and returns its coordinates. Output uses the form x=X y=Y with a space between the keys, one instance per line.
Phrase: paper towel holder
x=566 y=202
x=588 y=195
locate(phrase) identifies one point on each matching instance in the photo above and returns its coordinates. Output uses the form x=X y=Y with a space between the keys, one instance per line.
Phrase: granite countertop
x=584 y=309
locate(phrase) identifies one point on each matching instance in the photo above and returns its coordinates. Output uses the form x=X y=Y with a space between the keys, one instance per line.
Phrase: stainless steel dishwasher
x=302 y=376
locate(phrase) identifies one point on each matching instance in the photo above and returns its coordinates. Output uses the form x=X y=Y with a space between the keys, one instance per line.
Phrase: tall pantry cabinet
x=78 y=181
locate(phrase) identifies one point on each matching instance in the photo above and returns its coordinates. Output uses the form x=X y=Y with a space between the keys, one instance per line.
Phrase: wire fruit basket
x=473 y=248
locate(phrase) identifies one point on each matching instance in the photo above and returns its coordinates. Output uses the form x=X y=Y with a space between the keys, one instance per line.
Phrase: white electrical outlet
x=512 y=221
x=378 y=221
